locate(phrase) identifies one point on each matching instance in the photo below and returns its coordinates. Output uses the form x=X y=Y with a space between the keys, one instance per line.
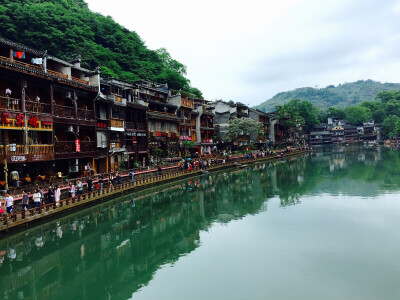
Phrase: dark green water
x=325 y=226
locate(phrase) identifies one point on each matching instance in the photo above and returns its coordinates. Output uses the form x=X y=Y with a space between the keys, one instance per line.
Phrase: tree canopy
x=67 y=28
x=340 y=96
x=298 y=113
x=242 y=126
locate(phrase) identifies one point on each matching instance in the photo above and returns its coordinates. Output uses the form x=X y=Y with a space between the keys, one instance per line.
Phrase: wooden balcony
x=30 y=153
x=19 y=150
x=4 y=58
x=58 y=74
x=41 y=149
x=26 y=65
x=118 y=99
x=70 y=147
x=37 y=107
x=64 y=111
x=187 y=103
x=161 y=113
x=185 y=122
x=80 y=80
x=8 y=103
x=85 y=114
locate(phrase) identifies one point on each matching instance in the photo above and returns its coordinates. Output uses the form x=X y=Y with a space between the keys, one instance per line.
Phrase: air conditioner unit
x=73 y=169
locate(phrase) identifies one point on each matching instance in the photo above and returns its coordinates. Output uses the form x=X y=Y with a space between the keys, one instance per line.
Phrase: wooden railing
x=59 y=74
x=64 y=111
x=70 y=147
x=38 y=107
x=27 y=65
x=80 y=80
x=187 y=103
x=19 y=150
x=4 y=58
x=117 y=123
x=85 y=114
x=186 y=122
x=41 y=149
x=161 y=112
x=22 y=149
x=9 y=103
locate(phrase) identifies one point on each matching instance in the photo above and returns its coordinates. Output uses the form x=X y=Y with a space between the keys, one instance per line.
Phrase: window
x=101 y=139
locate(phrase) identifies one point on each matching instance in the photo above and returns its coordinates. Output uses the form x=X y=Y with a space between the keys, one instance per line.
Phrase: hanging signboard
x=78 y=145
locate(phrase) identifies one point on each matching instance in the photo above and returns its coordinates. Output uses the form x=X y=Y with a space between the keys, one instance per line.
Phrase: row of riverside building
x=58 y=118
x=337 y=131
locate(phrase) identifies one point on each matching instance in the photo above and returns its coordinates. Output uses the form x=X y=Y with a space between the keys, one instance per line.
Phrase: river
x=320 y=226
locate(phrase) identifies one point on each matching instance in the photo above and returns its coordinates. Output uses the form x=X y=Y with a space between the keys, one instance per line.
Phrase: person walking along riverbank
x=25 y=200
x=9 y=202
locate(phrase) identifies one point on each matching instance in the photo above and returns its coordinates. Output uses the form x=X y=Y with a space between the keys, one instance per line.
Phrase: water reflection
x=112 y=250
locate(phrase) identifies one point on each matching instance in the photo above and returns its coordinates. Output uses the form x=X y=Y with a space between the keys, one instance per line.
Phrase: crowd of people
x=76 y=188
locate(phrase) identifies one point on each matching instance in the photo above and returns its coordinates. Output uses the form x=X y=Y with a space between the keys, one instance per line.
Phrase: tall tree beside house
x=391 y=126
x=242 y=126
x=289 y=114
x=67 y=28
x=357 y=115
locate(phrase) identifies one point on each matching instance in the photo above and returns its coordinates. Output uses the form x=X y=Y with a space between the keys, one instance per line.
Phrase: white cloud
x=250 y=50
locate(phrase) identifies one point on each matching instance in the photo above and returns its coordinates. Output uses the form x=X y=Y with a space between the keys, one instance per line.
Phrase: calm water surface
x=325 y=226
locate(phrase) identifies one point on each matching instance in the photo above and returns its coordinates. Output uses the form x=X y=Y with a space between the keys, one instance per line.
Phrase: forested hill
x=67 y=28
x=341 y=96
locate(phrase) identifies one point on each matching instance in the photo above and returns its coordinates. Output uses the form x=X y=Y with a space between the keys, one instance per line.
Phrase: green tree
x=67 y=28
x=357 y=115
x=242 y=126
x=336 y=113
x=391 y=126
x=289 y=114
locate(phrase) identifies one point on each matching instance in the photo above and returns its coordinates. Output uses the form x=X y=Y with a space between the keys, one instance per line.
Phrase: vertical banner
x=78 y=145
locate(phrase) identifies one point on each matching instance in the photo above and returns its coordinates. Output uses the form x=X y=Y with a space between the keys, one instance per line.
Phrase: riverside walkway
x=22 y=219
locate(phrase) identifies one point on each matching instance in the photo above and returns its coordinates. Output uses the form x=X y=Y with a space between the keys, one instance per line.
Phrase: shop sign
x=185 y=138
x=141 y=134
x=163 y=134
x=134 y=141
x=19 y=120
x=173 y=134
x=208 y=141
x=78 y=145
x=130 y=133
x=4 y=119
x=33 y=122
x=18 y=158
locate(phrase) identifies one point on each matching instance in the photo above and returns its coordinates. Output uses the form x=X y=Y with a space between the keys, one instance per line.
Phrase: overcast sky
x=250 y=50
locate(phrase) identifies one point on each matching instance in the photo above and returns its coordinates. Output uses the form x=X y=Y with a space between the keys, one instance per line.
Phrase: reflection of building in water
x=116 y=248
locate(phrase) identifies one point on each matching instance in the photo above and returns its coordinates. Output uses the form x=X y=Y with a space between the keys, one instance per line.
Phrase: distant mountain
x=341 y=96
